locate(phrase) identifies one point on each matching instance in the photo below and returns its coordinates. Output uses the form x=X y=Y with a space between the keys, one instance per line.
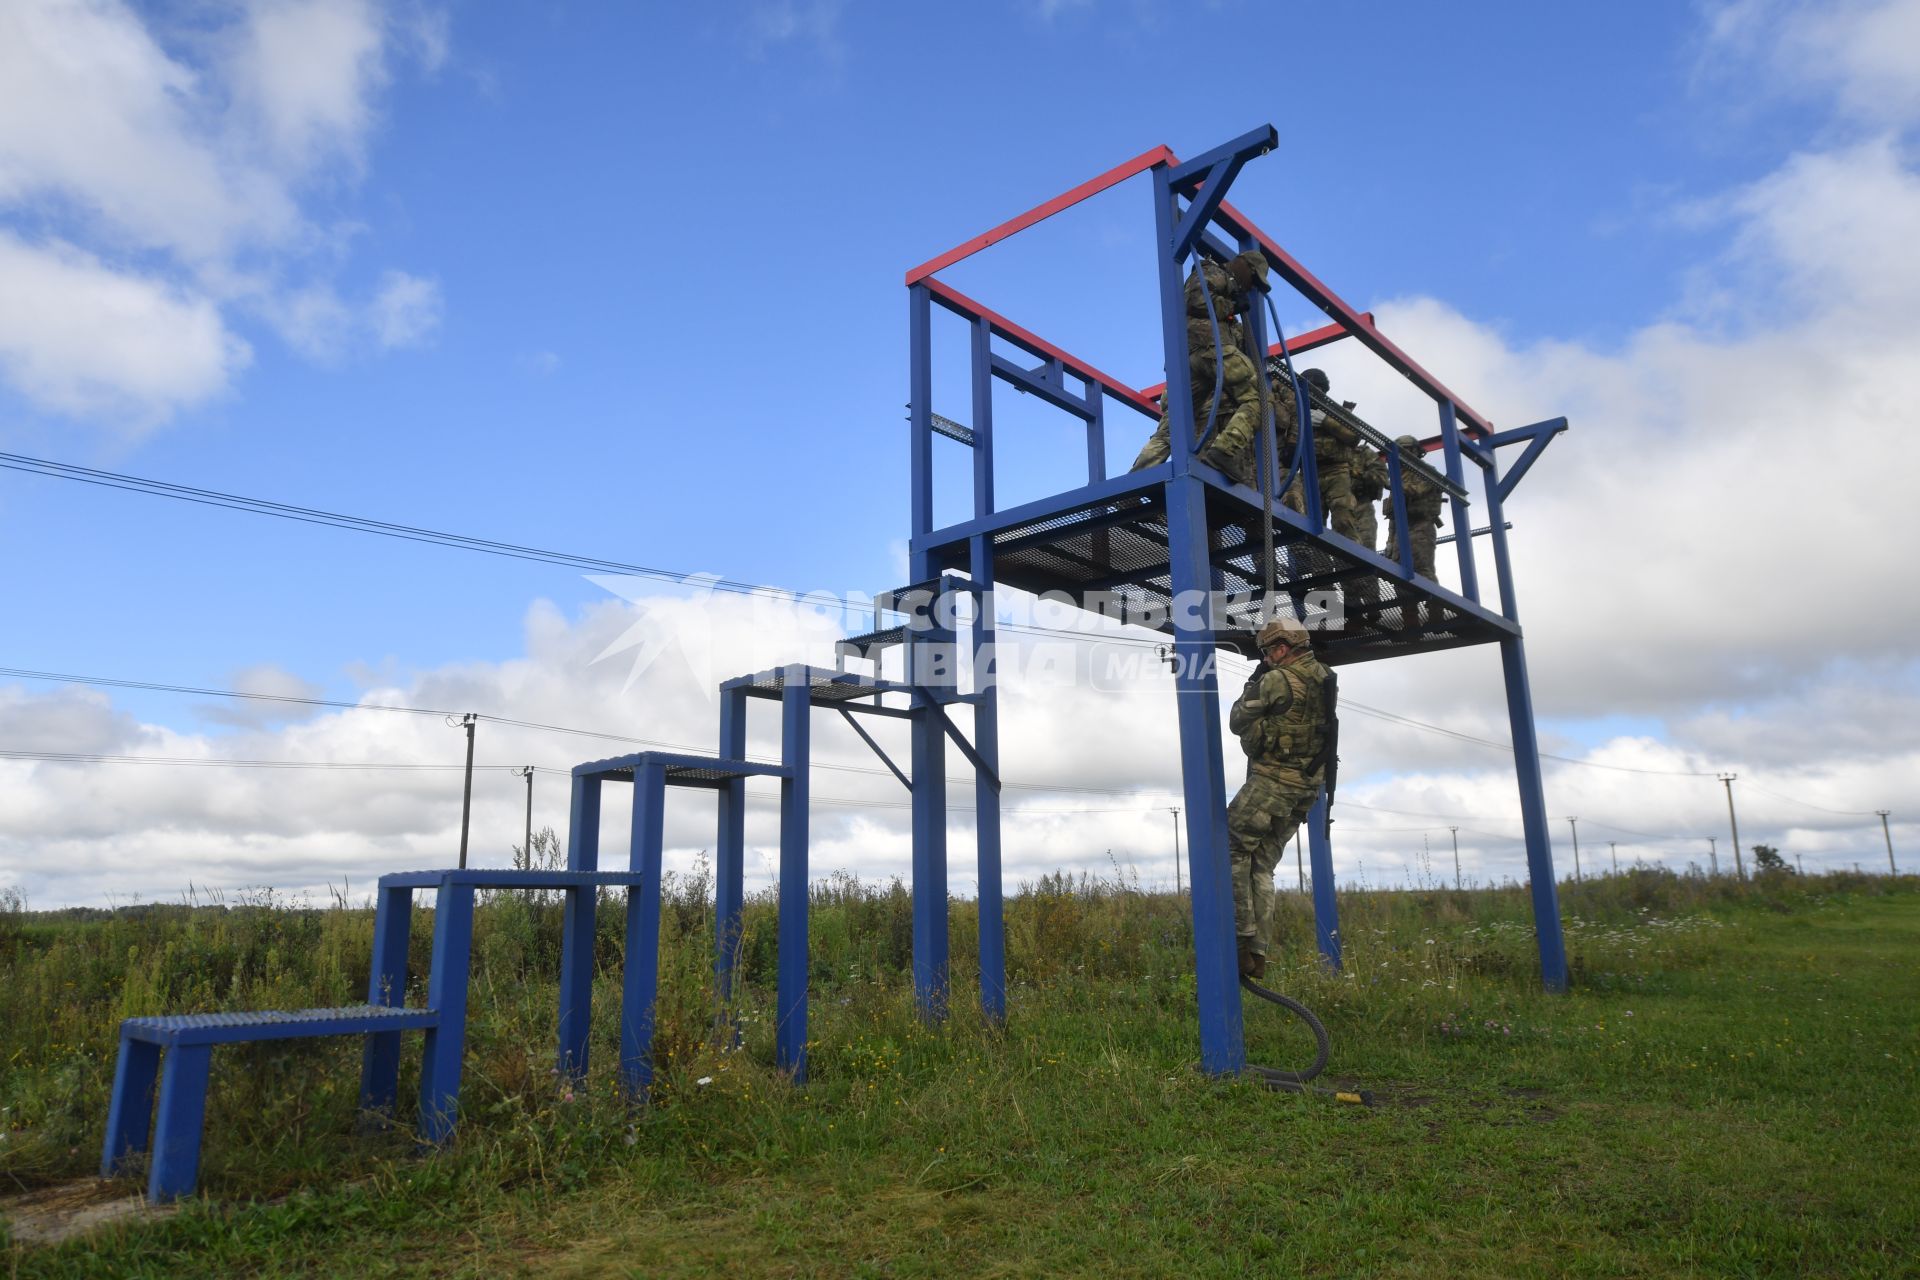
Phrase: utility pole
x=1616 y=857
x=1739 y=865
x=466 y=800
x=1713 y=854
x=1801 y=863
x=1175 y=811
x=1575 y=824
x=1457 y=886
x=526 y=850
x=1887 y=831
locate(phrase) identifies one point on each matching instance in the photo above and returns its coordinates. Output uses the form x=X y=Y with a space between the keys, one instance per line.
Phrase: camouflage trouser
x=1424 y=534
x=1364 y=528
x=1336 y=497
x=1235 y=422
x=1423 y=543
x=1265 y=813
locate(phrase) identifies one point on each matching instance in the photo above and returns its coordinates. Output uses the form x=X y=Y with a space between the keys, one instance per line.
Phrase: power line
x=466 y=542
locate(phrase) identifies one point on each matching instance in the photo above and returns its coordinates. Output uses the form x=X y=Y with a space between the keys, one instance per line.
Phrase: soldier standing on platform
x=1370 y=481
x=1423 y=512
x=1236 y=420
x=1284 y=720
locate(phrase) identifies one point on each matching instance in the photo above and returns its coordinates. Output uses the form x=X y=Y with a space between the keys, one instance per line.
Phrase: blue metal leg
x=1326 y=907
x=986 y=796
x=730 y=847
x=1222 y=1044
x=929 y=864
x=642 y=980
x=447 y=993
x=387 y=985
x=576 y=935
x=791 y=999
x=183 y=1114
x=1526 y=761
x=131 y=1111
x=1533 y=816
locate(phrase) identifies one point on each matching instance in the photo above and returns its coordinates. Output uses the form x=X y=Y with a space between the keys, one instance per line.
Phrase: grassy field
x=1728 y=1090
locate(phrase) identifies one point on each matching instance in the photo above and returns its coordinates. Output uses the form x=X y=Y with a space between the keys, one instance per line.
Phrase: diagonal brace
x=1537 y=436
x=867 y=738
x=966 y=748
x=1219 y=167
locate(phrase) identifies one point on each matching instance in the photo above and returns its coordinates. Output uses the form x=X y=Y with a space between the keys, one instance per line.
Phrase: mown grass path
x=1728 y=1091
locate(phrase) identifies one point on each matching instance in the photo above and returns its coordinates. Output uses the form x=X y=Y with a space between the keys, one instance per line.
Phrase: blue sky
x=701 y=226
x=626 y=281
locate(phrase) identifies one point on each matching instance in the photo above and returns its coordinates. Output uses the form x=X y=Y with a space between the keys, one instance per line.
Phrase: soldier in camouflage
x=1334 y=443
x=1370 y=481
x=1424 y=500
x=1280 y=719
x=1236 y=420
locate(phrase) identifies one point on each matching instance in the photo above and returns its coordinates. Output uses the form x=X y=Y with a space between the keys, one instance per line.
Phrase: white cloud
x=180 y=158
x=406 y=310
x=1865 y=54
x=86 y=339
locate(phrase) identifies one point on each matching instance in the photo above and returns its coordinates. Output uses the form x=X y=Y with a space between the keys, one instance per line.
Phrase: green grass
x=1728 y=1090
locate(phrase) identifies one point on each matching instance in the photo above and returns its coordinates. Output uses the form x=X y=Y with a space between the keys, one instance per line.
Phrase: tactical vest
x=1296 y=737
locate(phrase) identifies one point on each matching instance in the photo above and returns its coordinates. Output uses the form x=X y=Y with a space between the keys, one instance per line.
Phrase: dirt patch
x=52 y=1215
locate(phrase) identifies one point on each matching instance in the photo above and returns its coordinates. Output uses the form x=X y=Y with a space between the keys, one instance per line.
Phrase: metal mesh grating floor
x=1111 y=557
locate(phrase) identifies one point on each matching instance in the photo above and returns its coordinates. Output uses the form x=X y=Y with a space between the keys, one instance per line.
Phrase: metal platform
x=825 y=688
x=1110 y=554
x=681 y=770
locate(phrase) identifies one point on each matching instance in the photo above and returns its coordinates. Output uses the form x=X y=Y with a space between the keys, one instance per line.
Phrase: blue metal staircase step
x=504 y=878
x=681 y=770
x=274 y=1024
x=862 y=645
x=824 y=687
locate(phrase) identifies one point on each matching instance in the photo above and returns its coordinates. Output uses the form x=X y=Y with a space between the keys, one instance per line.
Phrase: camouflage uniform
x=1424 y=500
x=1279 y=720
x=1286 y=439
x=1333 y=445
x=1370 y=481
x=1236 y=420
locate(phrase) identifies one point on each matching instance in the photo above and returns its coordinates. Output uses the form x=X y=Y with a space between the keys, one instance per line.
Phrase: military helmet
x=1318 y=377
x=1246 y=267
x=1282 y=630
x=1407 y=442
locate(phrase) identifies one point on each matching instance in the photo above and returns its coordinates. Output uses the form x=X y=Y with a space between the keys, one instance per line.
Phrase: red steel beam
x=954 y=300
x=1330 y=302
x=1346 y=319
x=1298 y=346
x=1041 y=212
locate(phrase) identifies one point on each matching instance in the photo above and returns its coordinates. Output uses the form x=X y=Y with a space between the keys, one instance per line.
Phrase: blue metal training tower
x=1154 y=539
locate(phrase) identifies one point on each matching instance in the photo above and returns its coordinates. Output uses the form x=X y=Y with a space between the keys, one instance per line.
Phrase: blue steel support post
x=447 y=994
x=130 y=1113
x=790 y=1000
x=576 y=935
x=1196 y=687
x=183 y=1114
x=386 y=985
x=1462 y=514
x=1526 y=761
x=1096 y=433
x=1326 y=907
x=986 y=712
x=642 y=977
x=730 y=847
x=929 y=742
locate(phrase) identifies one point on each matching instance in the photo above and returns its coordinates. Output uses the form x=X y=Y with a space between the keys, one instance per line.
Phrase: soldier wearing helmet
x=1423 y=512
x=1283 y=719
x=1216 y=296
